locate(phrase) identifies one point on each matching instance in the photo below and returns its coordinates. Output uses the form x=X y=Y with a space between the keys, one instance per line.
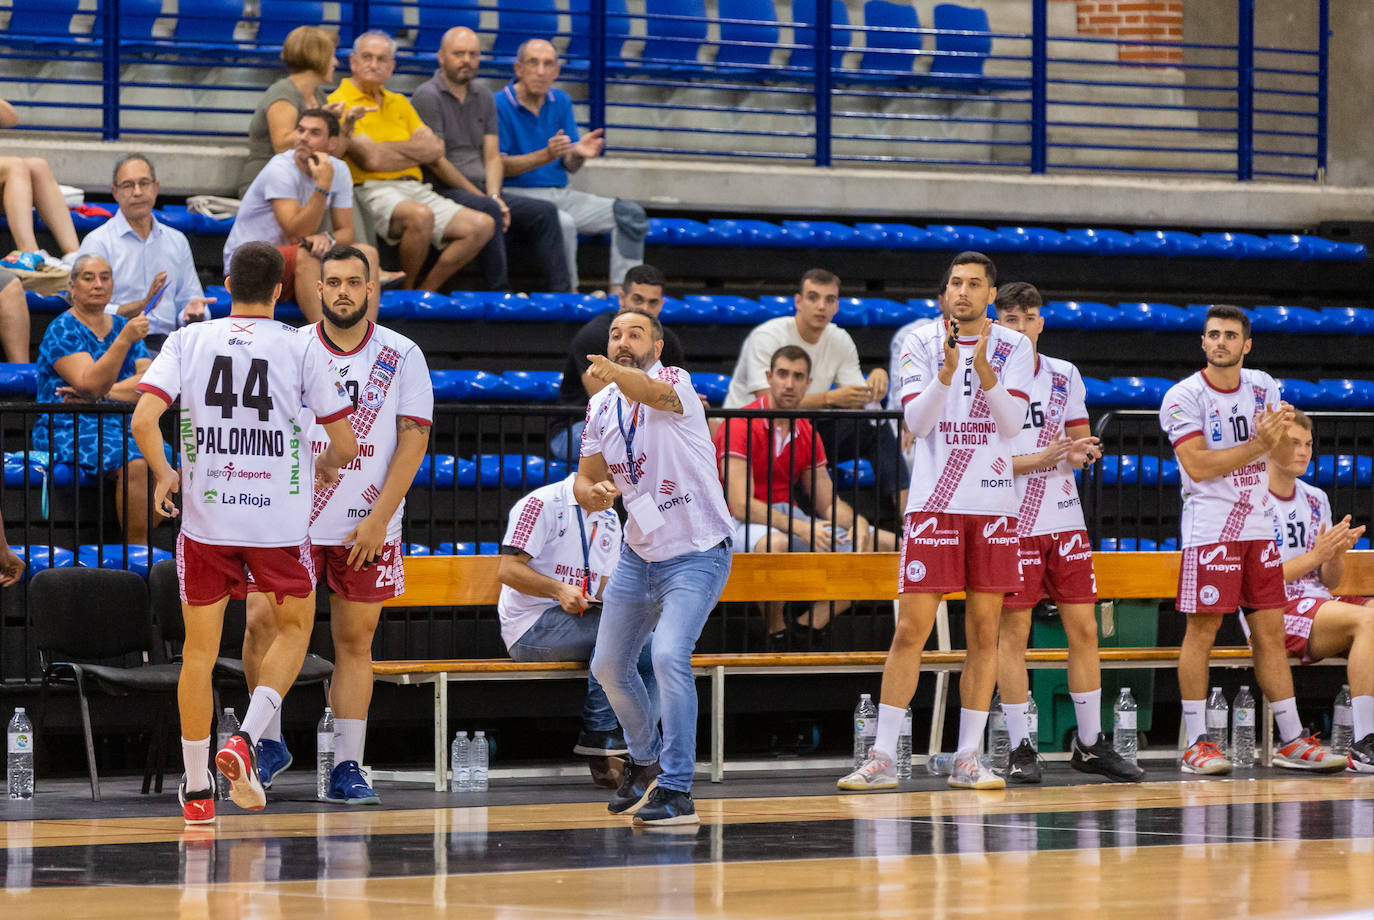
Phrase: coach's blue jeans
x=671 y=600
x=560 y=636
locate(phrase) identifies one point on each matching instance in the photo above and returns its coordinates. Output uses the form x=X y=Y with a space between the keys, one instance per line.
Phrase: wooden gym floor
x=784 y=845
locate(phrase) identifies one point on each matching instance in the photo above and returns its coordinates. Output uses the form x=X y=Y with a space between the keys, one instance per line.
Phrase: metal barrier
x=730 y=84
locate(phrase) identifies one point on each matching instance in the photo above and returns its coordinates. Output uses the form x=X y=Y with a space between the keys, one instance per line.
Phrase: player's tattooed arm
x=407 y=424
x=669 y=401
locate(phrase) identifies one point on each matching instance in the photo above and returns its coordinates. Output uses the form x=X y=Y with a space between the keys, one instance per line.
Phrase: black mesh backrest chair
x=93 y=629
x=166 y=599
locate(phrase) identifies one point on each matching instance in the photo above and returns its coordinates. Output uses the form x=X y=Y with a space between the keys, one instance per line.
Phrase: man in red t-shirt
x=758 y=480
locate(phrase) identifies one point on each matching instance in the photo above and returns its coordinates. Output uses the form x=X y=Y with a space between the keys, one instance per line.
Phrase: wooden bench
x=456 y=581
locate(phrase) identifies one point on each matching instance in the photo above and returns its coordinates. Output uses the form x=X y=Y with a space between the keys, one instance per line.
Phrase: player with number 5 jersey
x=247 y=480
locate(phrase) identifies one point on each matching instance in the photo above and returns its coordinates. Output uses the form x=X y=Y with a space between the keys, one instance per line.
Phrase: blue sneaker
x=347 y=786
x=273 y=758
x=667 y=807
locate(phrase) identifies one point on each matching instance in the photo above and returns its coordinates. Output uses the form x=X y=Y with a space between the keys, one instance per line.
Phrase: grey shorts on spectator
x=380 y=197
x=747 y=536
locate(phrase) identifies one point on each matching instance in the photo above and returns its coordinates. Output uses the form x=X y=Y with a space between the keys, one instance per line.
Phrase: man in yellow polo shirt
x=388 y=145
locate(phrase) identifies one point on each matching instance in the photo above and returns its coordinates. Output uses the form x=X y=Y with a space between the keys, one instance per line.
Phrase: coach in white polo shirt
x=555 y=561
x=646 y=438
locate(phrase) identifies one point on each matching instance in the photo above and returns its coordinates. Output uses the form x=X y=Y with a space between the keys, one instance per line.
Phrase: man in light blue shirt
x=540 y=146
x=152 y=264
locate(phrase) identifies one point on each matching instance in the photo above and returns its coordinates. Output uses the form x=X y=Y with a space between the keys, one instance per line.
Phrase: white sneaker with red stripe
x=1308 y=754
x=1205 y=759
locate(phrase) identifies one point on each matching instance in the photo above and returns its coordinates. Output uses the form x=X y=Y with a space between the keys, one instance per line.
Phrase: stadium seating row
x=1325 y=471
x=824 y=234
x=1146 y=545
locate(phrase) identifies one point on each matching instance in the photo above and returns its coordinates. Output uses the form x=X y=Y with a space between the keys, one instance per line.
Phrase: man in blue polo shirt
x=540 y=146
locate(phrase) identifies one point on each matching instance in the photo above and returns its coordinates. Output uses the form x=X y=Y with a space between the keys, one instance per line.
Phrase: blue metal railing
x=890 y=90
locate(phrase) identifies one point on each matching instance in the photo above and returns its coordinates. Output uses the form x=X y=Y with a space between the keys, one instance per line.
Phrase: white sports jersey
x=246 y=468
x=964 y=466
x=1231 y=507
x=1297 y=521
x=387 y=378
x=545 y=524
x=674 y=461
x=1049 y=497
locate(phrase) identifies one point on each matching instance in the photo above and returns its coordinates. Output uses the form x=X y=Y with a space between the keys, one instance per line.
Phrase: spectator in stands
x=837 y=381
x=462 y=113
x=11 y=566
x=541 y=146
x=762 y=460
x=28 y=183
x=154 y=273
x=385 y=152
x=553 y=574
x=643 y=291
x=287 y=203
x=308 y=54
x=14 y=319
x=90 y=356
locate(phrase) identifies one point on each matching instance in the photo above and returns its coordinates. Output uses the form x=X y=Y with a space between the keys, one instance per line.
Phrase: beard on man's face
x=338 y=313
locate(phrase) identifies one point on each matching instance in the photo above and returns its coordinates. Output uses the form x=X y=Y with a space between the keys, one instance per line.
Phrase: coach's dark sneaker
x=348 y=786
x=600 y=744
x=273 y=758
x=1362 y=755
x=667 y=807
x=640 y=780
x=1100 y=758
x=1023 y=765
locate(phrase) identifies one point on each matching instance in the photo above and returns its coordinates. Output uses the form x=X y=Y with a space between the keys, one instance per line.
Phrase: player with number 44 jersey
x=247 y=481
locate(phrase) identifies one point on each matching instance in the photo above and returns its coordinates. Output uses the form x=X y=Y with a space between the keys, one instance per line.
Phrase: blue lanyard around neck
x=629 y=438
x=586 y=552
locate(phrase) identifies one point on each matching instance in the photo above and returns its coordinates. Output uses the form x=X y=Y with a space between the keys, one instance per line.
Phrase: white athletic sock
x=195 y=758
x=1087 y=708
x=1362 y=711
x=348 y=739
x=273 y=730
x=1018 y=729
x=889 y=727
x=971 y=725
x=1194 y=719
x=1286 y=714
x=261 y=706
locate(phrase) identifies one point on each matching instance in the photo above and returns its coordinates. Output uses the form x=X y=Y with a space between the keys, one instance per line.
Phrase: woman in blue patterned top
x=90 y=356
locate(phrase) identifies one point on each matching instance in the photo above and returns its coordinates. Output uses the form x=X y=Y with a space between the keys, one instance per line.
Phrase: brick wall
x=1136 y=20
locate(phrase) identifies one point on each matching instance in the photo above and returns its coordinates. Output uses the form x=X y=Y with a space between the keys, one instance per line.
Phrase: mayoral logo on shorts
x=371 y=397
x=1208 y=594
x=915 y=570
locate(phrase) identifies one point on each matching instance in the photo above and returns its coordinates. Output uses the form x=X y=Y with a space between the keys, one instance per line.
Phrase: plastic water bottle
x=458 y=780
x=1243 y=730
x=19 y=759
x=865 y=728
x=477 y=757
x=1342 y=723
x=1218 y=719
x=999 y=740
x=1033 y=721
x=1125 y=741
x=324 y=753
x=904 y=748
x=228 y=724
x=940 y=764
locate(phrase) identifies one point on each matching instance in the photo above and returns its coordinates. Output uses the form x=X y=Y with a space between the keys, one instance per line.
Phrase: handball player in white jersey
x=964 y=385
x=355 y=527
x=1224 y=422
x=1056 y=555
x=246 y=481
x=1316 y=624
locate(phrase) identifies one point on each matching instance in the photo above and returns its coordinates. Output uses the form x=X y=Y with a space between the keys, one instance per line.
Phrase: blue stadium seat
x=112 y=556
x=1127 y=544
x=848 y=471
x=517 y=21
x=1349 y=394
x=748 y=34
x=1344 y=470
x=530 y=308
x=828 y=234
x=962 y=47
x=743 y=311
x=803 y=56
x=1314 y=248
x=276 y=19
x=208 y=25
x=724 y=308
x=18 y=380
x=46 y=24
x=40 y=556
x=136 y=21
x=485 y=548
x=1301 y=393
x=1141 y=392
x=1171 y=242
x=1104 y=242
x=1032 y=239
x=25 y=468
x=50 y=303
x=774 y=305
x=1358 y=320
x=1285 y=319
x=694 y=312
x=393 y=307
x=1099 y=392
x=1134 y=316
x=210 y=226
x=439 y=469
x=1083 y=314
x=884 y=312
x=451 y=385
x=680 y=231
x=853 y=312
x=62 y=476
x=925 y=307
x=418 y=549
x=617 y=31
x=1065 y=314
x=712 y=386
x=178 y=217
x=1159 y=316
x=895 y=236
x=429 y=305
x=964 y=236
x=674 y=31
x=536 y=386
x=510 y=469
x=1240 y=245
x=889 y=56
x=746 y=232
x=1129 y=470
x=438 y=18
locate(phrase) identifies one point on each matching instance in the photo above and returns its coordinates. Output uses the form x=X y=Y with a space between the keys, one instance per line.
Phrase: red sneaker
x=1205 y=758
x=196 y=807
x=1309 y=754
x=238 y=761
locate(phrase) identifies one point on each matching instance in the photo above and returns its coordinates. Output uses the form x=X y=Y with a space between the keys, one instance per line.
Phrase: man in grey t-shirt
x=462 y=114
